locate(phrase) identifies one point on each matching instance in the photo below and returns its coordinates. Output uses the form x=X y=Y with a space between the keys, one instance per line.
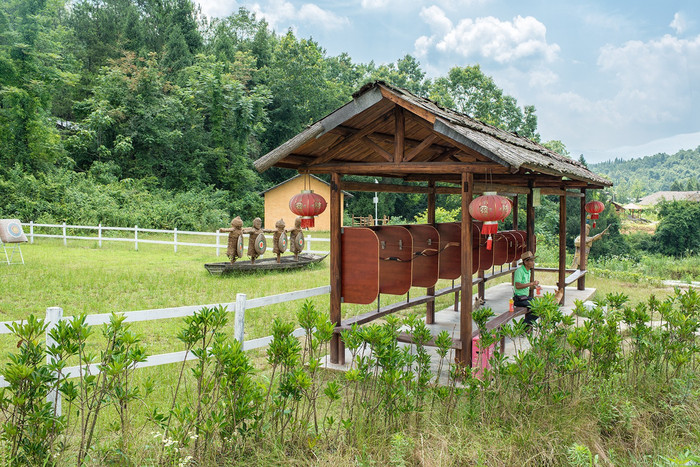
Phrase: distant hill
x=635 y=178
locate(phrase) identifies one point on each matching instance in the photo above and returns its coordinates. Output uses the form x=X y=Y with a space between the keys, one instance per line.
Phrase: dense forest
x=636 y=178
x=147 y=112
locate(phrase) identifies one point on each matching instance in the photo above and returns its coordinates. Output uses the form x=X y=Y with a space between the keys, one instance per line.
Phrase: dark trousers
x=524 y=300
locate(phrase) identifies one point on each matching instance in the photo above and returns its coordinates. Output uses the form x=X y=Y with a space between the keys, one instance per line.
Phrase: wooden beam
x=337 y=347
x=420 y=111
x=418 y=149
x=558 y=192
x=377 y=148
x=464 y=356
x=399 y=134
x=376 y=168
x=442 y=190
x=330 y=151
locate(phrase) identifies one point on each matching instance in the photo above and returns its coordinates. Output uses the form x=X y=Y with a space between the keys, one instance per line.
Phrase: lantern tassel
x=307 y=222
x=489 y=243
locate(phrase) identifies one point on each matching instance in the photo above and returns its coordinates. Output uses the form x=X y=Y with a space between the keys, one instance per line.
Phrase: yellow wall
x=277 y=203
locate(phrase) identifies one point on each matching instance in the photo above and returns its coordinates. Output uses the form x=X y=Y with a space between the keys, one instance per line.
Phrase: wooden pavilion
x=388 y=132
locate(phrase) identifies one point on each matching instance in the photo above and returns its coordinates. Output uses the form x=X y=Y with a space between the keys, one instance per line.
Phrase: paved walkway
x=497 y=297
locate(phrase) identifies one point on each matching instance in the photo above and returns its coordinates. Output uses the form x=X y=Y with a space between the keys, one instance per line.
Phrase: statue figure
x=589 y=242
x=254 y=232
x=296 y=246
x=234 y=235
x=276 y=247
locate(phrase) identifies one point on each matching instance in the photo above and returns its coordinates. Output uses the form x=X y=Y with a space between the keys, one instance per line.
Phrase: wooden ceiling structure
x=388 y=132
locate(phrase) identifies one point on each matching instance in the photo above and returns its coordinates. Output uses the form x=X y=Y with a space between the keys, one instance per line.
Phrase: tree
x=678 y=232
x=468 y=90
x=557 y=146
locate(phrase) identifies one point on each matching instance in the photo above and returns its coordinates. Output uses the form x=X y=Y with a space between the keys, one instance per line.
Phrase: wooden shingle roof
x=387 y=131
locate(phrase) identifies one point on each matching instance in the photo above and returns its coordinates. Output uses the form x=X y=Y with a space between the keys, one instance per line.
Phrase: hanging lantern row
x=594 y=208
x=490 y=208
x=307 y=204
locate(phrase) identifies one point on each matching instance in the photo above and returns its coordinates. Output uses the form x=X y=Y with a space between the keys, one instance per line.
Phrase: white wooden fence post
x=65 y=240
x=217 y=242
x=239 y=320
x=308 y=243
x=99 y=235
x=175 y=238
x=53 y=316
x=31 y=231
x=136 y=237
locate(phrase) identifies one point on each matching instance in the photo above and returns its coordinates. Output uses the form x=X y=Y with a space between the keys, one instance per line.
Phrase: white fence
x=239 y=307
x=221 y=239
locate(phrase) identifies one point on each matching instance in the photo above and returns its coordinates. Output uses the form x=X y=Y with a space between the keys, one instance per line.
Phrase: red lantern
x=490 y=208
x=307 y=204
x=593 y=208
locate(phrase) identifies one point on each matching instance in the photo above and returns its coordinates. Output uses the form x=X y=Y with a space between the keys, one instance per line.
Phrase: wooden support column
x=530 y=221
x=430 y=306
x=399 y=134
x=465 y=307
x=337 y=345
x=562 y=247
x=515 y=227
x=583 y=259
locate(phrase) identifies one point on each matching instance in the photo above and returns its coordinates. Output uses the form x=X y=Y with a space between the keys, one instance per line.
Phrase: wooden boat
x=265 y=264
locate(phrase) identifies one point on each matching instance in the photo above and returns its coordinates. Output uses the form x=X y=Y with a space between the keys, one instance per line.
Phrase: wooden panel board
x=395 y=265
x=450 y=239
x=359 y=265
x=426 y=255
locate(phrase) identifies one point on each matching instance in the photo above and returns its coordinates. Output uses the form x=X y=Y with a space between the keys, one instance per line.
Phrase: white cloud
x=451 y=5
x=218 y=8
x=542 y=77
x=489 y=37
x=656 y=79
x=281 y=12
x=679 y=23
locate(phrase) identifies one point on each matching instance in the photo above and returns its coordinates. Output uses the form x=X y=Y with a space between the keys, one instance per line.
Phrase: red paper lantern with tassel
x=594 y=208
x=307 y=204
x=490 y=208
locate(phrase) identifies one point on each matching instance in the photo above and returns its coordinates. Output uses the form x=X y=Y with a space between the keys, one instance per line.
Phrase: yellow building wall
x=277 y=203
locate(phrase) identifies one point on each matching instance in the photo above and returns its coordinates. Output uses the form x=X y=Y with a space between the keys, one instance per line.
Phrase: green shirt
x=522 y=275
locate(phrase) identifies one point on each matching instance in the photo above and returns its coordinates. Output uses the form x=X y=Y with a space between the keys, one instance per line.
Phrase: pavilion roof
x=387 y=131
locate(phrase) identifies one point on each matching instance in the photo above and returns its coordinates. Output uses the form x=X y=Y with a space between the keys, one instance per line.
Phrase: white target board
x=11 y=231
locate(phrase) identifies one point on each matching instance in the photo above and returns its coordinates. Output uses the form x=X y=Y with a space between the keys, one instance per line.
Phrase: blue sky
x=608 y=78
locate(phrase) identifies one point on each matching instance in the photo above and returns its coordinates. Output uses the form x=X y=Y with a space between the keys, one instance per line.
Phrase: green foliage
x=635 y=178
x=678 y=232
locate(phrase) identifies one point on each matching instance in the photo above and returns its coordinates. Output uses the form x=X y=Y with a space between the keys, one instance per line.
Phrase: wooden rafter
x=418 y=149
x=331 y=150
x=377 y=148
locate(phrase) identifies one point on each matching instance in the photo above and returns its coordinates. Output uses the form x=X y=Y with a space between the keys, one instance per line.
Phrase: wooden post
x=53 y=316
x=218 y=242
x=583 y=258
x=430 y=306
x=99 y=235
x=562 y=246
x=136 y=237
x=465 y=318
x=31 y=231
x=337 y=347
x=515 y=227
x=530 y=221
x=239 y=318
x=65 y=239
x=175 y=239
x=399 y=134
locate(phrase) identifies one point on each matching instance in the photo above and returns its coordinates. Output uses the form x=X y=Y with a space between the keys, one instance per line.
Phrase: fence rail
x=239 y=307
x=219 y=243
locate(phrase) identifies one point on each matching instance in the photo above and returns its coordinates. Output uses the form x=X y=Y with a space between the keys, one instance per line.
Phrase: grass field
x=116 y=278
x=83 y=278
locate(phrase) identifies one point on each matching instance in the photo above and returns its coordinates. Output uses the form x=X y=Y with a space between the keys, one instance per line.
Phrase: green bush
x=678 y=232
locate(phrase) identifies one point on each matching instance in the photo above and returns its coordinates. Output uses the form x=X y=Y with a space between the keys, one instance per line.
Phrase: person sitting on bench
x=522 y=285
